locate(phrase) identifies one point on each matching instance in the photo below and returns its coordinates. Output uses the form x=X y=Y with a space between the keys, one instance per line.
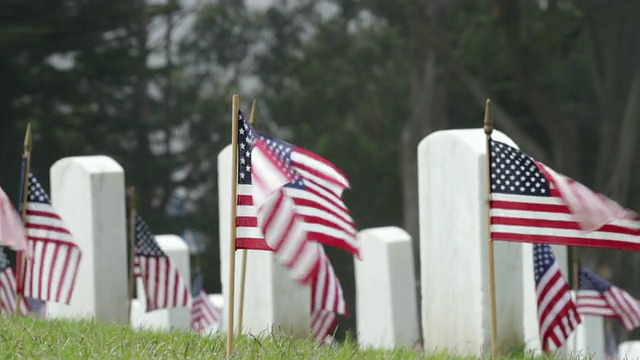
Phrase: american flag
x=163 y=284
x=8 y=288
x=530 y=202
x=203 y=313
x=290 y=226
x=596 y=296
x=50 y=274
x=11 y=230
x=316 y=190
x=557 y=313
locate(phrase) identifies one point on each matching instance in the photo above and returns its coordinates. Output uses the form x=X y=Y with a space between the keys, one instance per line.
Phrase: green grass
x=59 y=339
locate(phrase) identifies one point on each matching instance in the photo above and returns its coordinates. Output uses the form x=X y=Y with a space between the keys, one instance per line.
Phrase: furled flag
x=557 y=313
x=11 y=231
x=596 y=296
x=163 y=284
x=8 y=288
x=289 y=221
x=315 y=187
x=50 y=274
x=203 y=313
x=530 y=202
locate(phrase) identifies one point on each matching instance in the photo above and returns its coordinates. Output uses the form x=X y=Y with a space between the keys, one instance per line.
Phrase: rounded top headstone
x=90 y=164
x=387 y=233
x=474 y=138
x=170 y=242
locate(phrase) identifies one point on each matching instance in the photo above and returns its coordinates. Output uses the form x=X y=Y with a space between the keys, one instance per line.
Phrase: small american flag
x=8 y=288
x=163 y=284
x=557 y=313
x=292 y=222
x=532 y=203
x=203 y=313
x=50 y=274
x=596 y=296
x=11 y=230
x=316 y=189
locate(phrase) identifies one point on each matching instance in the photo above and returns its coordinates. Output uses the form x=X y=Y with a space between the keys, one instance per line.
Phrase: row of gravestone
x=89 y=193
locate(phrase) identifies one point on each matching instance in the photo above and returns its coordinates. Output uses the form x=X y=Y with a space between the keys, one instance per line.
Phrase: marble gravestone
x=386 y=303
x=88 y=193
x=629 y=350
x=272 y=298
x=165 y=319
x=587 y=341
x=452 y=178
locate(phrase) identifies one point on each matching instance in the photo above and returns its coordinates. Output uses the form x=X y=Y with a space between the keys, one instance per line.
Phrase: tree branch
x=476 y=88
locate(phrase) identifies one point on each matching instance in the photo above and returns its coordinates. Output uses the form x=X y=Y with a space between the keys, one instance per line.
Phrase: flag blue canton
x=590 y=281
x=543 y=259
x=283 y=150
x=36 y=193
x=514 y=172
x=145 y=241
x=198 y=283
x=245 y=142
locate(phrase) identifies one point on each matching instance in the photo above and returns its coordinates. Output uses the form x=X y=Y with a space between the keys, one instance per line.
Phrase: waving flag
x=203 y=313
x=313 y=183
x=596 y=296
x=8 y=288
x=530 y=202
x=50 y=273
x=163 y=284
x=557 y=313
x=298 y=195
x=11 y=231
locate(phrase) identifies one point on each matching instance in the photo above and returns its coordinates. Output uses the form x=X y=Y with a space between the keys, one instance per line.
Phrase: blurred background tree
x=360 y=82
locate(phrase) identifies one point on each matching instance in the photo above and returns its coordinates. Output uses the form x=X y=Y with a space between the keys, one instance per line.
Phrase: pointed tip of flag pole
x=488 y=118
x=254 y=113
x=27 y=139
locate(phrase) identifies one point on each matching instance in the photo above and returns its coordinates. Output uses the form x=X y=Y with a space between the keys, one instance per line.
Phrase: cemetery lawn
x=60 y=339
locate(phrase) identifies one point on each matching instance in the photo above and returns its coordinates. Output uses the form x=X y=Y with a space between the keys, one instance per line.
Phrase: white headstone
x=88 y=193
x=452 y=174
x=272 y=298
x=164 y=319
x=386 y=303
x=588 y=340
x=629 y=350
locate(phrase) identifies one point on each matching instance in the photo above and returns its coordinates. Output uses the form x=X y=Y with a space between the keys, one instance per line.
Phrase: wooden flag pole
x=488 y=129
x=235 y=108
x=576 y=286
x=25 y=188
x=243 y=267
x=198 y=263
x=132 y=241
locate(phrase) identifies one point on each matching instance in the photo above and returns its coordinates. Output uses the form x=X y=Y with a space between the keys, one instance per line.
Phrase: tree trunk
x=427 y=114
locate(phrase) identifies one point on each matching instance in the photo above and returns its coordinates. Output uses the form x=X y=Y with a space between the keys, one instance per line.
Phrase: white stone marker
x=272 y=298
x=165 y=319
x=88 y=193
x=386 y=304
x=590 y=338
x=629 y=350
x=452 y=175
